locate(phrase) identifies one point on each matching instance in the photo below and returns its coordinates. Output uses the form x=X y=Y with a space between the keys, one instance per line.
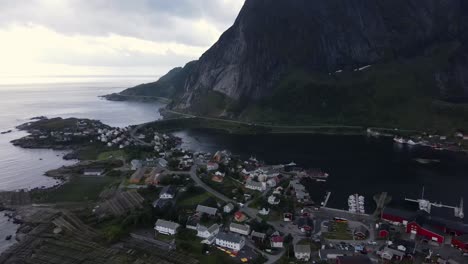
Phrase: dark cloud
x=156 y=20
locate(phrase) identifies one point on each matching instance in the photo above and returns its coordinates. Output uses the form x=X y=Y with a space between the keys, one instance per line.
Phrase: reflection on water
x=356 y=164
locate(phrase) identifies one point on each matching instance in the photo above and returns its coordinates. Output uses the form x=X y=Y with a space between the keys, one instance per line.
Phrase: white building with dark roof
x=206 y=210
x=166 y=227
x=208 y=233
x=230 y=241
x=240 y=229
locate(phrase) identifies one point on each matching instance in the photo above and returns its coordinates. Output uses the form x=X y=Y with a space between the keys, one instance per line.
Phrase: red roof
x=277 y=239
x=238 y=214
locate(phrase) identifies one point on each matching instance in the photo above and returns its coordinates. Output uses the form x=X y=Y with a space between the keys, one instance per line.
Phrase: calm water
x=356 y=164
x=56 y=97
x=64 y=97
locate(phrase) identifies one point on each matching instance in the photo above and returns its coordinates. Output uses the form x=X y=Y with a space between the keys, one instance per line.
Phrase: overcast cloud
x=131 y=36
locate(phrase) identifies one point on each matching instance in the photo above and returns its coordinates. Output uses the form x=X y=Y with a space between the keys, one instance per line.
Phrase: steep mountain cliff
x=372 y=62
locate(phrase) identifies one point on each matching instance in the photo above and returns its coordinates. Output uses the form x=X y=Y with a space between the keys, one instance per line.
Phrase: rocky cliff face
x=270 y=38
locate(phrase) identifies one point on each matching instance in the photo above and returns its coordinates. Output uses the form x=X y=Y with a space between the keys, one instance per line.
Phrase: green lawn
x=339 y=231
x=79 y=189
x=194 y=200
x=117 y=154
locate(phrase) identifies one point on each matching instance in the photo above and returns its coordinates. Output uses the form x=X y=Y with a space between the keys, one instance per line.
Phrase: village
x=211 y=207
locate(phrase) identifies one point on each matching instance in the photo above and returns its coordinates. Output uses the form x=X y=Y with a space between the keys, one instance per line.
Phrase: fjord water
x=58 y=97
x=356 y=164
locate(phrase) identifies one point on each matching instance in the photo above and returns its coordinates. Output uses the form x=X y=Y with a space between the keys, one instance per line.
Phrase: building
x=168 y=192
x=305 y=224
x=192 y=222
x=384 y=230
x=230 y=241
x=240 y=229
x=94 y=172
x=460 y=242
x=256 y=186
x=273 y=200
x=353 y=260
x=212 y=166
x=137 y=176
x=207 y=233
x=166 y=227
x=288 y=217
x=388 y=253
x=264 y=211
x=332 y=254
x=206 y=210
x=426 y=231
x=228 y=208
x=302 y=252
x=136 y=164
x=240 y=217
x=257 y=235
x=276 y=241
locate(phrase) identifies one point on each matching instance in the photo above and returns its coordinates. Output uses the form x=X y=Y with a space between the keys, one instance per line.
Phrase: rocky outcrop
x=273 y=37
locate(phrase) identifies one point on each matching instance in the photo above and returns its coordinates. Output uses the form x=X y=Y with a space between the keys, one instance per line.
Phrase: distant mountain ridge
x=372 y=62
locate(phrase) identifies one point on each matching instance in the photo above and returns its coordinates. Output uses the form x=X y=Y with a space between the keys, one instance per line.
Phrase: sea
x=27 y=97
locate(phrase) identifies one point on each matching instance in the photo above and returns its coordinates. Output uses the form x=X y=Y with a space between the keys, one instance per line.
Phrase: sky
x=108 y=37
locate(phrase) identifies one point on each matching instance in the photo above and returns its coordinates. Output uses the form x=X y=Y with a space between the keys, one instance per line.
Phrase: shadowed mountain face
x=308 y=58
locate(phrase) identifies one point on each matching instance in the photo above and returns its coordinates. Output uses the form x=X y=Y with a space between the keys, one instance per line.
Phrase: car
x=244 y=260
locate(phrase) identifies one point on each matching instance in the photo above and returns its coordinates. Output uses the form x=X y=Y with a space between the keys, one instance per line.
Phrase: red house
x=426 y=231
x=397 y=216
x=460 y=242
x=384 y=230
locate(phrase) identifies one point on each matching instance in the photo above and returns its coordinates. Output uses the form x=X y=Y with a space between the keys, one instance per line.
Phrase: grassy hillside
x=401 y=93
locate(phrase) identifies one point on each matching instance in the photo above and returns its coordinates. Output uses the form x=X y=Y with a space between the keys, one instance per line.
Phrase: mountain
x=171 y=85
x=368 y=62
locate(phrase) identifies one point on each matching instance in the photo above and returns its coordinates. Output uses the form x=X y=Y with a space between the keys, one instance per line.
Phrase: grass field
x=194 y=200
x=339 y=231
x=79 y=189
x=116 y=154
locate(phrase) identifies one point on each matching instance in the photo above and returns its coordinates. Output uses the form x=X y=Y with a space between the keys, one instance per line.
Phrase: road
x=252 y=213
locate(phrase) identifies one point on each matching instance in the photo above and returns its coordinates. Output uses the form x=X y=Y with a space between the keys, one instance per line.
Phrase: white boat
x=412 y=143
x=400 y=140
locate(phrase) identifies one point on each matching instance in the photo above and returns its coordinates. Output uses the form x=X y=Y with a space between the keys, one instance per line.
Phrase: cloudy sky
x=108 y=37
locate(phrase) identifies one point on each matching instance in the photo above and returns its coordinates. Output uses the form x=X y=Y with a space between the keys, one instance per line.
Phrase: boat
x=320 y=180
x=8 y=237
x=412 y=143
x=400 y=140
x=317 y=173
x=6 y=132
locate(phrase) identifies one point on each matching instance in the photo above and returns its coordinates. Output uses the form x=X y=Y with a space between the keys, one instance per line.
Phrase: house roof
x=393 y=252
x=254 y=183
x=206 y=210
x=405 y=214
x=258 y=234
x=354 y=260
x=167 y=224
x=170 y=190
x=230 y=206
x=239 y=226
x=234 y=238
x=210 y=229
x=463 y=239
x=277 y=239
x=302 y=249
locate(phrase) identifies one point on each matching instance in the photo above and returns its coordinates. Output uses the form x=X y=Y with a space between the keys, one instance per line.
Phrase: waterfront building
x=460 y=242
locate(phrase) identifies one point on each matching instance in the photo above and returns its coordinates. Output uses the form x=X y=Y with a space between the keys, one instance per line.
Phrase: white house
x=302 y=252
x=228 y=208
x=273 y=200
x=166 y=227
x=212 y=166
x=276 y=241
x=230 y=241
x=206 y=210
x=256 y=186
x=264 y=211
x=240 y=229
x=168 y=192
x=208 y=234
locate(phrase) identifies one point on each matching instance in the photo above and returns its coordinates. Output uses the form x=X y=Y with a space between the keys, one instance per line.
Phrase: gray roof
x=167 y=224
x=230 y=205
x=258 y=234
x=210 y=229
x=239 y=226
x=171 y=190
x=254 y=183
x=206 y=210
x=235 y=238
x=302 y=249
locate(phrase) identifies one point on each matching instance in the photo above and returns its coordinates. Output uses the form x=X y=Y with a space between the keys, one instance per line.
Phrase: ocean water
x=25 y=98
